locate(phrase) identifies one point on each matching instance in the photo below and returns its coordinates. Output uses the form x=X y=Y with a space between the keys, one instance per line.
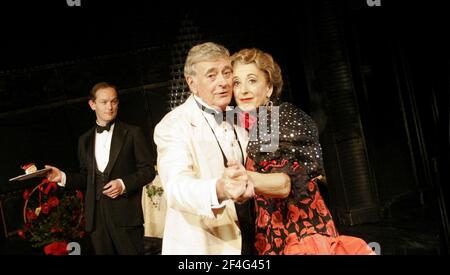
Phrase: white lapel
x=204 y=137
x=206 y=152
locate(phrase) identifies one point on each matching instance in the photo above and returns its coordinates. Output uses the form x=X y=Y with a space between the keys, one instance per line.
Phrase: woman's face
x=250 y=86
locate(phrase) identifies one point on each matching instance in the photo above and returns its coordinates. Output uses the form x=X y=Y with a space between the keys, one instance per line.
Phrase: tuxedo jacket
x=189 y=160
x=129 y=160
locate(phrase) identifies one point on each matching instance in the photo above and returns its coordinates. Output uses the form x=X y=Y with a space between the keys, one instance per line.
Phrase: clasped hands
x=235 y=184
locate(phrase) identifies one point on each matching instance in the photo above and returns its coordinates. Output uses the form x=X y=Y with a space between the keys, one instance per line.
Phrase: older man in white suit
x=208 y=206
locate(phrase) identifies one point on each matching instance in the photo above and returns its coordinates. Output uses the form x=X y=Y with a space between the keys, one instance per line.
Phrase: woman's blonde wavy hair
x=265 y=63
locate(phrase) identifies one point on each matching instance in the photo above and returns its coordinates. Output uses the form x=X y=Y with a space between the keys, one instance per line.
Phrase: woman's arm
x=273 y=185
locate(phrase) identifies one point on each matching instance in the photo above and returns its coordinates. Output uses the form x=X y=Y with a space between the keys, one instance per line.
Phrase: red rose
x=261 y=243
x=53 y=201
x=50 y=186
x=79 y=195
x=21 y=234
x=45 y=208
x=322 y=208
x=263 y=218
x=293 y=213
x=56 y=248
x=319 y=205
x=31 y=215
x=277 y=220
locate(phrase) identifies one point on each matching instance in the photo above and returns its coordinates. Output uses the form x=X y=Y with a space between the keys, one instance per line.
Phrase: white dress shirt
x=102 y=152
x=228 y=141
x=103 y=147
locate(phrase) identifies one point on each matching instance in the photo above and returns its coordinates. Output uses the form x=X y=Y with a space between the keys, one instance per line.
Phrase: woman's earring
x=269 y=104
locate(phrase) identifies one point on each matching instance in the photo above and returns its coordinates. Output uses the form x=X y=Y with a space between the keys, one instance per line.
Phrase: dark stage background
x=375 y=79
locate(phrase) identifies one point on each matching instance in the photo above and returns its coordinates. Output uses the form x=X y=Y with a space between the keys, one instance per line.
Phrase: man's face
x=212 y=82
x=105 y=105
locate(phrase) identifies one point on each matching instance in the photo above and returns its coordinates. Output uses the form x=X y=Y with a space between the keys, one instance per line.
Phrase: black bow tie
x=219 y=116
x=107 y=127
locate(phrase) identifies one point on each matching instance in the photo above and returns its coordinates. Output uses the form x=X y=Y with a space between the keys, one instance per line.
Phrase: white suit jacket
x=189 y=159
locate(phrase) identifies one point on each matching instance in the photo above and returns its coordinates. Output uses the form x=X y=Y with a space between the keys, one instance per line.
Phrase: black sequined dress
x=300 y=223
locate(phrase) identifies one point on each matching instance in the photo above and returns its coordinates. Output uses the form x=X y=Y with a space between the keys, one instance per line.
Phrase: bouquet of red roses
x=53 y=217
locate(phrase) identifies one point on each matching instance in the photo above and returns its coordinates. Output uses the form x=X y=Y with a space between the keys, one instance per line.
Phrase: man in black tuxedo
x=115 y=163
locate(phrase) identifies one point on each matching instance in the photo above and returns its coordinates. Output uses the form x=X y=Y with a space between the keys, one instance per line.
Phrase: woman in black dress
x=296 y=221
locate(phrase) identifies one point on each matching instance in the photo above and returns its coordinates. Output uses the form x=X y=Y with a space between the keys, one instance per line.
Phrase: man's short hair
x=98 y=86
x=208 y=51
